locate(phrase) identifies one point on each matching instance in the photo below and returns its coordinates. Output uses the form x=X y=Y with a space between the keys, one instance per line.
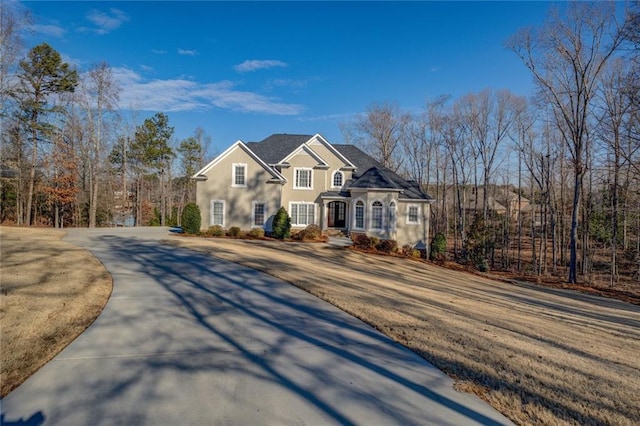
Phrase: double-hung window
x=359 y=213
x=239 y=177
x=413 y=215
x=303 y=178
x=217 y=212
x=259 y=213
x=302 y=214
x=377 y=211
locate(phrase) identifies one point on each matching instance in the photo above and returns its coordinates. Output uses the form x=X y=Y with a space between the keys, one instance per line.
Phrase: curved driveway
x=187 y=339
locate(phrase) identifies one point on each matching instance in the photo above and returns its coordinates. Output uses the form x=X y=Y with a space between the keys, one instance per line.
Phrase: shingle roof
x=370 y=173
x=277 y=146
x=359 y=158
x=382 y=178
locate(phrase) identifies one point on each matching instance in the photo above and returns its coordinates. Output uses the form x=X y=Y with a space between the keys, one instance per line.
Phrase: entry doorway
x=337 y=214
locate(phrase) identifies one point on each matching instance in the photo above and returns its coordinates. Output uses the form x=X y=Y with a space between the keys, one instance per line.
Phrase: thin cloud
x=434 y=69
x=105 y=22
x=49 y=30
x=256 y=64
x=187 y=52
x=158 y=51
x=180 y=94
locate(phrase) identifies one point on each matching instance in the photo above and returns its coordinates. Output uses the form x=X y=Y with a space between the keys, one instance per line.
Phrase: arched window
x=338 y=179
x=392 y=216
x=377 y=211
x=359 y=215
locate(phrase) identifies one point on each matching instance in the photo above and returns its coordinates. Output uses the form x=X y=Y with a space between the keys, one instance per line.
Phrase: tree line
x=70 y=157
x=555 y=174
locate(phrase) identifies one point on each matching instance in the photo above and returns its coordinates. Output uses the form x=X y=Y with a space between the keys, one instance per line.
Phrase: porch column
x=324 y=213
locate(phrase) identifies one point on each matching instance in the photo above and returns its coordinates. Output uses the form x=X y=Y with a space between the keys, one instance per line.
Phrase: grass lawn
x=51 y=292
x=538 y=355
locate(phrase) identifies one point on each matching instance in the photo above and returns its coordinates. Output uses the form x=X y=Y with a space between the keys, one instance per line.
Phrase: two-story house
x=333 y=186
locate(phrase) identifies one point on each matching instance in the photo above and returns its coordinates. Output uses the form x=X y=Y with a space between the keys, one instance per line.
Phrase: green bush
x=191 y=219
x=374 y=242
x=438 y=246
x=387 y=246
x=215 y=231
x=234 y=231
x=281 y=227
x=256 y=233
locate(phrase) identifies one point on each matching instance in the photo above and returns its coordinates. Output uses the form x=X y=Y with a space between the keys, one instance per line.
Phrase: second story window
x=303 y=179
x=338 y=179
x=239 y=175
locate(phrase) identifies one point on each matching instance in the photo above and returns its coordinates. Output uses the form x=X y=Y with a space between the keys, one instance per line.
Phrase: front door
x=337 y=214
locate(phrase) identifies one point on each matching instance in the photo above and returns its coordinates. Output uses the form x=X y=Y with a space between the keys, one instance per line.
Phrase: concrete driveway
x=187 y=339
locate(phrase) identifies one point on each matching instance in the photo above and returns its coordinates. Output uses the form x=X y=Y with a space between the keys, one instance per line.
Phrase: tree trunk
x=573 y=233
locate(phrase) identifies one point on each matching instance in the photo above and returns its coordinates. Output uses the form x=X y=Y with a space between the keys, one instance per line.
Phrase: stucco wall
x=238 y=200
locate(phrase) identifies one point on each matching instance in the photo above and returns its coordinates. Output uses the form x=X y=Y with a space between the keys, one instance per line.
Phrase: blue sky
x=245 y=70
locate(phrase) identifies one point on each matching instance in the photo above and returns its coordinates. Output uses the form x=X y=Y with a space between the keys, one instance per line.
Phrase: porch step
x=335 y=232
x=340 y=241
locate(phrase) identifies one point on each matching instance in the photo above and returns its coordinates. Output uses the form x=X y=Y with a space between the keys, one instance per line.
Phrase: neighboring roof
x=277 y=146
x=382 y=178
x=359 y=158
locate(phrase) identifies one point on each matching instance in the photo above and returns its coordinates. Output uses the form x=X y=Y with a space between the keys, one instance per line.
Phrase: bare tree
x=380 y=132
x=566 y=57
x=99 y=95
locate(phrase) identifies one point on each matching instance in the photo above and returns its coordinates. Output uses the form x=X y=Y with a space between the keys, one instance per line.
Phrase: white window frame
x=355 y=216
x=211 y=213
x=297 y=222
x=393 y=220
x=333 y=179
x=412 y=222
x=295 y=178
x=253 y=214
x=381 y=228
x=233 y=175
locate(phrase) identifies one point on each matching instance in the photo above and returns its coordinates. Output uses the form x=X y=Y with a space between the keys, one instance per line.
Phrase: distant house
x=337 y=187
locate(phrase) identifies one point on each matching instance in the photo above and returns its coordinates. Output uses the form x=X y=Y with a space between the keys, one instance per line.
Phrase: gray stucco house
x=336 y=187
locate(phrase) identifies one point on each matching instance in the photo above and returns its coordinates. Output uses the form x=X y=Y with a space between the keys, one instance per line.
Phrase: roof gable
x=277 y=147
x=385 y=179
x=238 y=145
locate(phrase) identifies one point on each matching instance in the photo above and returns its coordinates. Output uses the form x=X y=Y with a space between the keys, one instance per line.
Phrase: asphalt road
x=187 y=339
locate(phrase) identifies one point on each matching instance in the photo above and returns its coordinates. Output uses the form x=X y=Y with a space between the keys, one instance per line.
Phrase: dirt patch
x=51 y=292
x=538 y=355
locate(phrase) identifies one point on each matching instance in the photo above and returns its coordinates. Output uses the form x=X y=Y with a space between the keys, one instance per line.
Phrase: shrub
x=310 y=233
x=374 y=242
x=387 y=246
x=256 y=233
x=234 y=231
x=409 y=251
x=361 y=241
x=215 y=231
x=438 y=246
x=281 y=227
x=191 y=218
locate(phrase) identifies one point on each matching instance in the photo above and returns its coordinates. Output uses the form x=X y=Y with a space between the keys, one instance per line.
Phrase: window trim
x=364 y=216
x=253 y=214
x=333 y=177
x=308 y=203
x=211 y=213
x=392 y=222
x=295 y=178
x=233 y=175
x=382 y=222
x=409 y=221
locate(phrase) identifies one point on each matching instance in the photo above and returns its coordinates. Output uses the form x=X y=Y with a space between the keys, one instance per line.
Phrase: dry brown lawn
x=51 y=292
x=538 y=355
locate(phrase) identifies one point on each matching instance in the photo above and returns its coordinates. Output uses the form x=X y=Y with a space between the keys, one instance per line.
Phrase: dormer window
x=239 y=177
x=338 y=179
